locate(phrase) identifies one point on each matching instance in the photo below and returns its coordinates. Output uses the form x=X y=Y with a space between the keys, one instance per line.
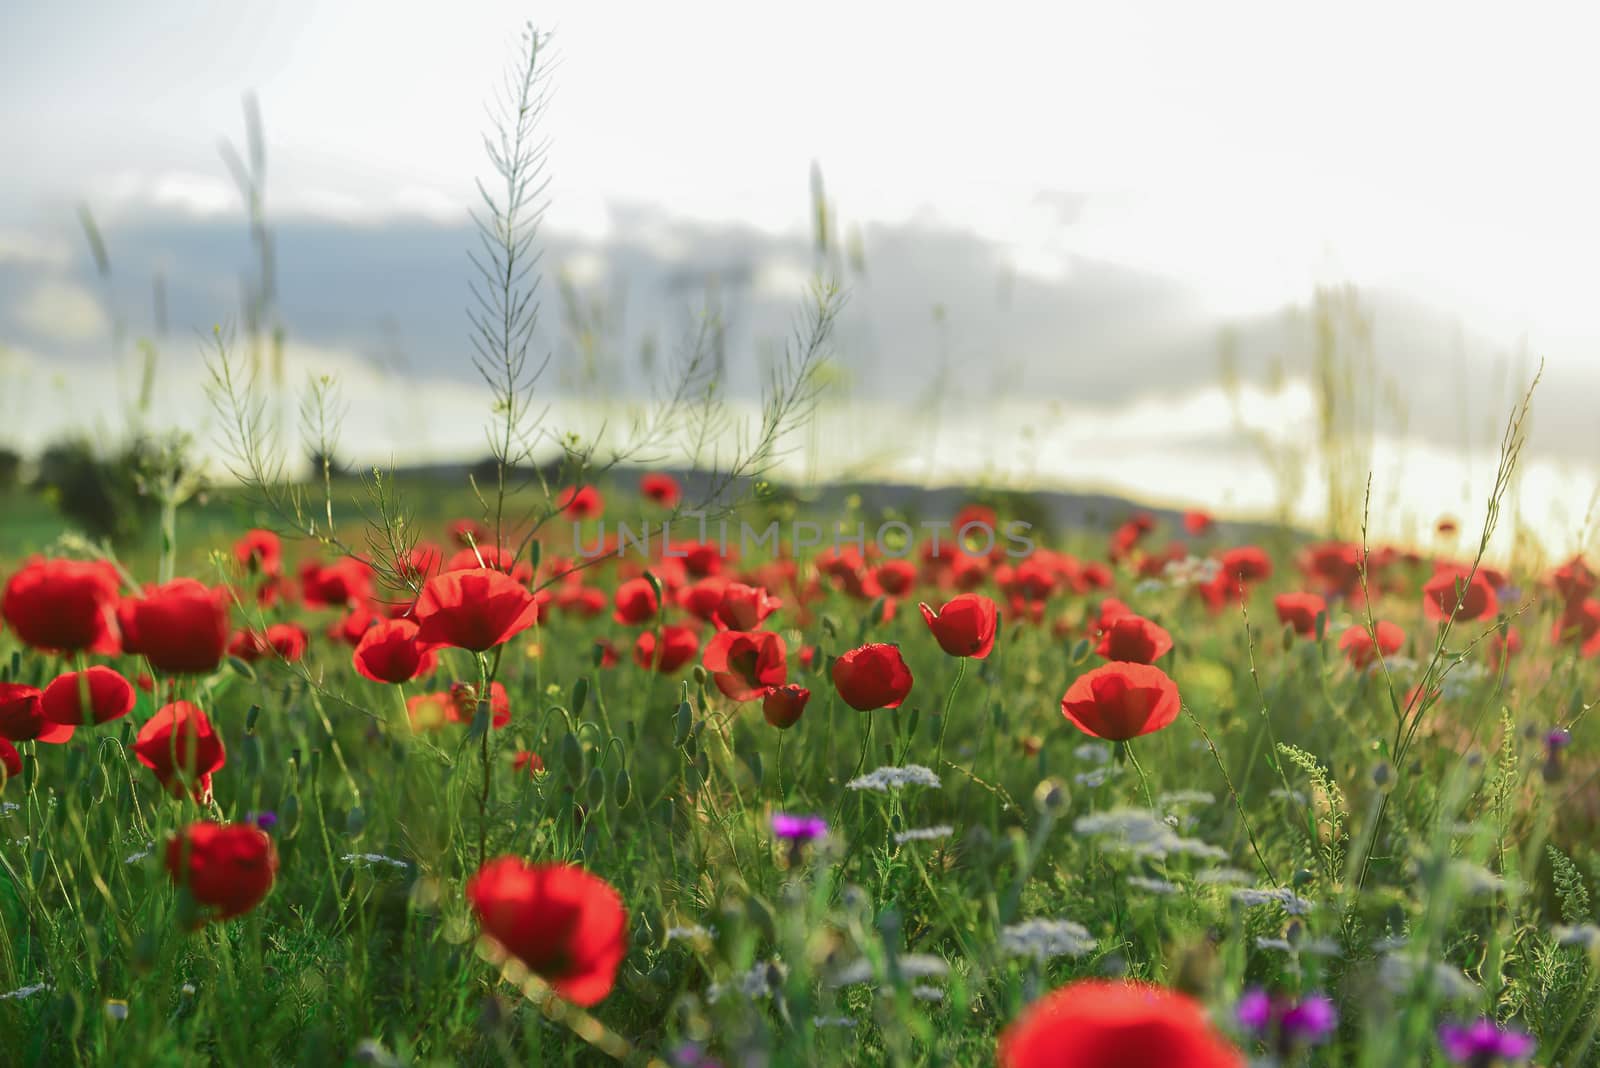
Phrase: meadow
x=313 y=767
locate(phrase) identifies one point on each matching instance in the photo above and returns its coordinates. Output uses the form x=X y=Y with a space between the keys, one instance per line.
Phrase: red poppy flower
x=228 y=868
x=1134 y=640
x=353 y=625
x=1247 y=563
x=63 y=606
x=609 y=657
x=783 y=705
x=1300 y=611
x=1334 y=567
x=259 y=552
x=1198 y=523
x=179 y=742
x=701 y=558
x=1579 y=624
x=285 y=640
x=181 y=627
x=390 y=652
x=464 y=704
x=873 y=676
x=582 y=502
x=344 y=582
x=1102 y=1023
x=22 y=719
x=663 y=489
x=474 y=610
x=702 y=599
x=1358 y=647
x=896 y=577
x=1503 y=648
x=1573 y=581
x=110 y=697
x=744 y=664
x=965 y=626
x=1439 y=596
x=468 y=532
x=490 y=556
x=1118 y=701
x=1446 y=526
x=563 y=923
x=744 y=607
x=527 y=760
x=636 y=602
x=419 y=563
x=678 y=646
x=585 y=602
x=1110 y=609
x=10 y=762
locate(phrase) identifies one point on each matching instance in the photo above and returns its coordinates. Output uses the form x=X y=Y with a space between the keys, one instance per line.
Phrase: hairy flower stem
x=486 y=712
x=949 y=702
x=1125 y=752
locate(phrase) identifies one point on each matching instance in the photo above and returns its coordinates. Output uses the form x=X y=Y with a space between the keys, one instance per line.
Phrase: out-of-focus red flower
x=1573 y=581
x=783 y=705
x=1358 y=647
x=110 y=696
x=286 y=640
x=1579 y=624
x=1118 y=701
x=661 y=488
x=179 y=742
x=341 y=584
x=64 y=606
x=702 y=599
x=609 y=657
x=582 y=502
x=745 y=664
x=353 y=625
x=1503 y=648
x=1103 y=1023
x=10 y=762
x=896 y=577
x=678 y=646
x=1334 y=567
x=702 y=558
x=430 y=711
x=744 y=607
x=259 y=552
x=23 y=720
x=1447 y=526
x=181 y=627
x=563 y=923
x=490 y=556
x=1133 y=639
x=636 y=602
x=228 y=868
x=529 y=761
x=1439 y=596
x=469 y=532
x=585 y=602
x=390 y=652
x=474 y=610
x=965 y=625
x=1246 y=563
x=975 y=516
x=872 y=676
x=1110 y=609
x=1197 y=523
x=464 y=704
x=1300 y=611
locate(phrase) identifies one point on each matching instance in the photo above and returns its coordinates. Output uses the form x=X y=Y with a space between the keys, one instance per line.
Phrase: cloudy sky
x=1088 y=195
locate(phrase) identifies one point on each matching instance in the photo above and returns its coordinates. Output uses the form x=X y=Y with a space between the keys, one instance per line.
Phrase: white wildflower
x=1152 y=886
x=1292 y=903
x=1094 y=752
x=1097 y=777
x=1045 y=940
x=925 y=834
x=892 y=778
x=8 y=807
x=374 y=859
x=1586 y=935
x=760 y=981
x=1476 y=881
x=833 y=1021
x=1146 y=587
x=1178 y=798
x=1294 y=796
x=26 y=992
x=688 y=931
x=1398 y=971
x=371 y=1051
x=1222 y=876
x=927 y=993
x=1143 y=834
x=134 y=858
x=911 y=965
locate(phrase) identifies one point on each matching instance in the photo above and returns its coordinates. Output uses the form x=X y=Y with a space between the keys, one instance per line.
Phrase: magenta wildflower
x=799 y=829
x=1287 y=1024
x=1484 y=1043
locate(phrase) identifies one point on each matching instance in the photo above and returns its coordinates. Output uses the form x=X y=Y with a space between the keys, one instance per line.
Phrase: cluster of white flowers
x=1461 y=680
x=1292 y=796
x=372 y=1051
x=1586 y=935
x=759 y=982
x=911 y=965
x=1192 y=570
x=1223 y=877
x=927 y=993
x=134 y=858
x=1143 y=834
x=1292 y=903
x=1179 y=798
x=892 y=778
x=833 y=1021
x=1398 y=971
x=1317 y=947
x=1146 y=587
x=1152 y=886
x=1045 y=940
x=374 y=859
x=1097 y=777
x=689 y=931
x=8 y=807
x=26 y=992
x=925 y=834
x=1474 y=880
x=1093 y=752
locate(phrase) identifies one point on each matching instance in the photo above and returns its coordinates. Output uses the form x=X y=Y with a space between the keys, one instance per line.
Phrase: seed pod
x=622 y=788
x=580 y=695
x=572 y=757
x=1080 y=651
x=251 y=717
x=681 y=724
x=242 y=668
x=595 y=788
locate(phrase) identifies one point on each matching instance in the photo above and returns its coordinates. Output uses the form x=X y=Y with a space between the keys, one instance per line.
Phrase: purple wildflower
x=1287 y=1024
x=265 y=820
x=1554 y=743
x=799 y=829
x=1484 y=1043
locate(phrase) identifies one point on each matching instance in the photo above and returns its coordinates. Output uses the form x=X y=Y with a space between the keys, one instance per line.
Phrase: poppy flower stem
x=1126 y=752
x=483 y=796
x=949 y=702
